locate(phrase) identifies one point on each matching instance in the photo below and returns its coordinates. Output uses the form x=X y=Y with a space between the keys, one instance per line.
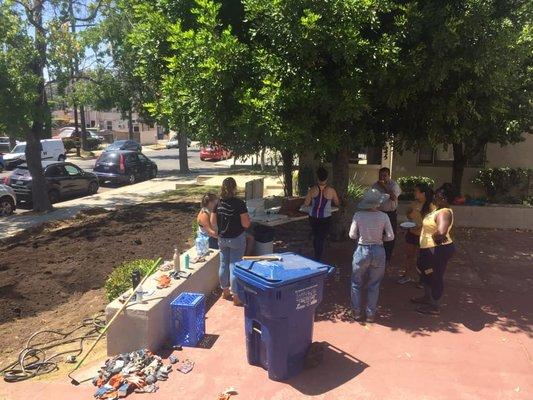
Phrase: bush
x=498 y=183
x=408 y=183
x=92 y=144
x=355 y=189
x=69 y=144
x=120 y=279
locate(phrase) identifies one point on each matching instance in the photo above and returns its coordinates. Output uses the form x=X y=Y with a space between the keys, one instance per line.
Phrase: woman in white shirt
x=370 y=227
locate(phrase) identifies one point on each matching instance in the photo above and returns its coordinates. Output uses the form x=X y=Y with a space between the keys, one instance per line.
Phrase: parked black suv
x=124 y=166
x=63 y=179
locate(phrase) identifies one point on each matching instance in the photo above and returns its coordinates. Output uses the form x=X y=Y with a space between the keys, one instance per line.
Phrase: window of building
x=109 y=125
x=136 y=128
x=441 y=156
x=366 y=155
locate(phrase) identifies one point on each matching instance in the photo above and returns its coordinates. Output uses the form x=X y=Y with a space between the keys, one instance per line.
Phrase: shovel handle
x=104 y=330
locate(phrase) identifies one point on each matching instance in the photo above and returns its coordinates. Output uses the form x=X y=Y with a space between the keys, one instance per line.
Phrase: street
x=167 y=161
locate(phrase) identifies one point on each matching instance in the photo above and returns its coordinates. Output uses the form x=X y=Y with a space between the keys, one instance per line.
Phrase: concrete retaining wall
x=489 y=216
x=148 y=324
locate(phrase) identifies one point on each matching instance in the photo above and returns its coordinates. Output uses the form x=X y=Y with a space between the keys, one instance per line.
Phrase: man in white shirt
x=387 y=186
x=370 y=227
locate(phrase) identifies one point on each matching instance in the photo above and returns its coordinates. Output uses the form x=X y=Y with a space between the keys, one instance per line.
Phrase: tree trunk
x=288 y=164
x=130 y=124
x=306 y=171
x=341 y=169
x=459 y=162
x=182 y=143
x=77 y=135
x=83 y=128
x=41 y=202
x=340 y=166
x=263 y=150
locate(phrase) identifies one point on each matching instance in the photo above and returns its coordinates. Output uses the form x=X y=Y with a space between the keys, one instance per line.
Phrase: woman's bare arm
x=245 y=220
x=205 y=221
x=444 y=220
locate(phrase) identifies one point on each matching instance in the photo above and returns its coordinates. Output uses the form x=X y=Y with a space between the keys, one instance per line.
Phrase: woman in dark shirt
x=231 y=219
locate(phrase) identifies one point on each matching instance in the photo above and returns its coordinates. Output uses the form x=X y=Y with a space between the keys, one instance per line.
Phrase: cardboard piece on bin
x=292 y=267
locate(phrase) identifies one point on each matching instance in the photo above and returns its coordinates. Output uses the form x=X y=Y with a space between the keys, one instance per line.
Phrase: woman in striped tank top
x=319 y=199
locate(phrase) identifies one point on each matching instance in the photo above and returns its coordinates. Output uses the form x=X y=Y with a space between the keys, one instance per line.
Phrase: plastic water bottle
x=187 y=261
x=176 y=259
x=202 y=244
x=139 y=294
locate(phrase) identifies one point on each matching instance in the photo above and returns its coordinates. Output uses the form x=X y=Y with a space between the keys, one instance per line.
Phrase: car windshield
x=116 y=145
x=19 y=148
x=21 y=170
x=108 y=157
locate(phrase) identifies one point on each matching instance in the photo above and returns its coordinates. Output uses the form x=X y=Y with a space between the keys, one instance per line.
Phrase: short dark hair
x=448 y=191
x=384 y=169
x=322 y=174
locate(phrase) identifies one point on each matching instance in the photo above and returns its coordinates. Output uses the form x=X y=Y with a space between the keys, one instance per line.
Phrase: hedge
x=408 y=183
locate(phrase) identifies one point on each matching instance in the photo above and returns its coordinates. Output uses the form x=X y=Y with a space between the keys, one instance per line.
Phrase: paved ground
x=480 y=347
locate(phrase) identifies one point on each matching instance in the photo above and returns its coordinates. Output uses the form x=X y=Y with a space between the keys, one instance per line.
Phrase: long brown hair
x=228 y=189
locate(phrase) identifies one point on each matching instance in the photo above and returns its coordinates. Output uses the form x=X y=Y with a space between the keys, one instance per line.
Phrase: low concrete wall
x=148 y=324
x=489 y=216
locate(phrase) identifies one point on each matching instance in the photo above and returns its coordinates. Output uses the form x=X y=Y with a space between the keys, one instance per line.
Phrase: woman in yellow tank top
x=436 y=249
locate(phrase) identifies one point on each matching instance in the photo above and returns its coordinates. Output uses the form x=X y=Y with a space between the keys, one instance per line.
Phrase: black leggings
x=320 y=229
x=389 y=245
x=432 y=264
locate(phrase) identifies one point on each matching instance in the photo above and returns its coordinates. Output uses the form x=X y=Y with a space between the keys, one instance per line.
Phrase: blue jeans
x=231 y=251
x=368 y=267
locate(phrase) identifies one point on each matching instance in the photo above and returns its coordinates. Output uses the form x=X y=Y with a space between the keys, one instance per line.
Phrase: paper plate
x=407 y=225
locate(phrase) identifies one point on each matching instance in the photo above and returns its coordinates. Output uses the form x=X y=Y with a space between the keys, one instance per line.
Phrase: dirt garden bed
x=55 y=277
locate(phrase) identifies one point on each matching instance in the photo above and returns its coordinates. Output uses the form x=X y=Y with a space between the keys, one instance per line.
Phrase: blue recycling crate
x=188 y=319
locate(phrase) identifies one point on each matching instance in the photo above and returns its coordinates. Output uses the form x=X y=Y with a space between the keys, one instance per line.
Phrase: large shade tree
x=464 y=78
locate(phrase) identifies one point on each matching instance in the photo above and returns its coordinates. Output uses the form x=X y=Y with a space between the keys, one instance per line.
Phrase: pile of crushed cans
x=126 y=373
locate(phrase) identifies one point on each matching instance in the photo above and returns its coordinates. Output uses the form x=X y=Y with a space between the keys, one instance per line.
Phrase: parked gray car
x=8 y=200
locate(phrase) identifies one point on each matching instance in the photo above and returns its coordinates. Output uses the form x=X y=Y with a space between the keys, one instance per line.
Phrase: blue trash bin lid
x=291 y=268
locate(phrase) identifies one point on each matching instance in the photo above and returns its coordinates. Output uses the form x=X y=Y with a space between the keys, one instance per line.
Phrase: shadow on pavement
x=337 y=368
x=487 y=284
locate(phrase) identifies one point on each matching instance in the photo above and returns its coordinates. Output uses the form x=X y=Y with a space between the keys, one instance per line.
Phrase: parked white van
x=51 y=150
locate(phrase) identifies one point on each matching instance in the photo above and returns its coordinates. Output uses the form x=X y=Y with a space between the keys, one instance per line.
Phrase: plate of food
x=407 y=225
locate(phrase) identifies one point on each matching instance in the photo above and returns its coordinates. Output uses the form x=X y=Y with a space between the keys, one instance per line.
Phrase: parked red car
x=214 y=152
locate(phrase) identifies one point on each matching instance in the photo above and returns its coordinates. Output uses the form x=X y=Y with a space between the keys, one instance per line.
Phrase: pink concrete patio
x=479 y=348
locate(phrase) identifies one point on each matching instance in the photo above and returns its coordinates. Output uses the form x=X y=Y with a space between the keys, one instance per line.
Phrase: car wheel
x=131 y=179
x=93 y=187
x=7 y=206
x=202 y=159
x=61 y=158
x=54 y=196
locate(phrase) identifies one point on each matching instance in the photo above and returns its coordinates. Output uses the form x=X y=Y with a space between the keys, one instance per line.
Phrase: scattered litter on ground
x=138 y=372
x=185 y=366
x=227 y=393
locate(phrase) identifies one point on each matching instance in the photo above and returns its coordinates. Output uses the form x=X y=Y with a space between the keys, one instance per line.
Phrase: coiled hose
x=33 y=361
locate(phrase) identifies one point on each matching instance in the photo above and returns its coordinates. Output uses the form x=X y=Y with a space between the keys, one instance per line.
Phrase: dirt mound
x=65 y=268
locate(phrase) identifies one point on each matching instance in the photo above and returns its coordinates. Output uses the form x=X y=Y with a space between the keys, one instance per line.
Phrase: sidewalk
x=123 y=196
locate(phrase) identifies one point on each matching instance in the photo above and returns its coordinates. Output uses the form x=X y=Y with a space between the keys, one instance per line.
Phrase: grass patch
x=189 y=192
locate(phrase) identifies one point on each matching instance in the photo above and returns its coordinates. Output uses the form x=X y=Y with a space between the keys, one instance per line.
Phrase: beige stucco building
x=112 y=121
x=436 y=163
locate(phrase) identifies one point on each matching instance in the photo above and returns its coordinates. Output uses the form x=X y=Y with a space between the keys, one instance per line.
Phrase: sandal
x=428 y=310
x=226 y=294
x=420 y=300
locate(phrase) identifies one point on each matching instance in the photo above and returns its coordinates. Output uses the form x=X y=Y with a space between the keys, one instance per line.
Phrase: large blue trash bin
x=280 y=298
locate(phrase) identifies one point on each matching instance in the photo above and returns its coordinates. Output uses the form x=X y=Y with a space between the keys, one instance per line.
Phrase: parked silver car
x=8 y=200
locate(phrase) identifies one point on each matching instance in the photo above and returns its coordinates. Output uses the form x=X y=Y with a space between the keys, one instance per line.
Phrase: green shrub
x=194 y=231
x=119 y=280
x=355 y=189
x=408 y=183
x=498 y=183
x=92 y=144
x=69 y=144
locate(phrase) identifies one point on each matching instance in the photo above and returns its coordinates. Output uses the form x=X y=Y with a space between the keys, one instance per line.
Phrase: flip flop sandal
x=428 y=310
x=420 y=300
